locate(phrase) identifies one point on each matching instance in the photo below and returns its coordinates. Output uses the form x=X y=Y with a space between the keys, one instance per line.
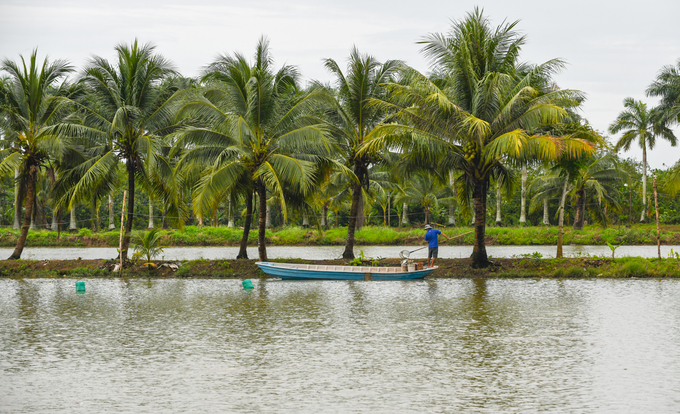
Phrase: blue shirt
x=431 y=237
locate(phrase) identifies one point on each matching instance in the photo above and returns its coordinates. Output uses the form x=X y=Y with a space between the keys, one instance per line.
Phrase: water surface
x=483 y=346
x=335 y=252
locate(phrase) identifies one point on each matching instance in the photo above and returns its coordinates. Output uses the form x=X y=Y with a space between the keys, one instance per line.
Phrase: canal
x=481 y=346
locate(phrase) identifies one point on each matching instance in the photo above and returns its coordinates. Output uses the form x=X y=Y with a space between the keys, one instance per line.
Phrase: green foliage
x=613 y=248
x=385 y=235
x=85 y=232
x=634 y=268
x=575 y=272
x=536 y=256
x=290 y=235
x=357 y=261
x=335 y=236
x=147 y=243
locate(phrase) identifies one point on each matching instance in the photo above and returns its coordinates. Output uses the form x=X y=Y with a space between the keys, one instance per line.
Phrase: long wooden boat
x=294 y=271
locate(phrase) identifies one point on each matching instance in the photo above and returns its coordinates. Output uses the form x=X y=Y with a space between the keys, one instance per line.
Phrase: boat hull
x=291 y=271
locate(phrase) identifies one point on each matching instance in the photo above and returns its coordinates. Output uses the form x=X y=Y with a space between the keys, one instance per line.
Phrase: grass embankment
x=641 y=234
x=626 y=267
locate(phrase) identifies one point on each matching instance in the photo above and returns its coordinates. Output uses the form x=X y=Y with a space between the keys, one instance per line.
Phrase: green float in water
x=80 y=286
x=247 y=284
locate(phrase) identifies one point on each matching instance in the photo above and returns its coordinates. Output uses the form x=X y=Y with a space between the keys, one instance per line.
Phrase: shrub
x=634 y=268
x=147 y=243
x=289 y=235
x=575 y=271
x=85 y=232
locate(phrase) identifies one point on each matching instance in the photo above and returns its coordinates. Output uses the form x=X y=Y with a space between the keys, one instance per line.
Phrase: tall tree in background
x=32 y=99
x=641 y=125
x=355 y=122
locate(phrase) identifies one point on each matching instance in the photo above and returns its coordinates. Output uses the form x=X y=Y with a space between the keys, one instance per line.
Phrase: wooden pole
x=656 y=207
x=122 y=226
x=560 y=231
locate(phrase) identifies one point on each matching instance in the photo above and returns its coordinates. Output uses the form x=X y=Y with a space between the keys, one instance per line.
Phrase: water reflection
x=426 y=346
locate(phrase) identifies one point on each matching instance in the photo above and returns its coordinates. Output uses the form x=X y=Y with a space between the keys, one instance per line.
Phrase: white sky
x=613 y=49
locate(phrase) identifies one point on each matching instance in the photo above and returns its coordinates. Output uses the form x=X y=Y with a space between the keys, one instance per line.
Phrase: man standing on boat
x=431 y=236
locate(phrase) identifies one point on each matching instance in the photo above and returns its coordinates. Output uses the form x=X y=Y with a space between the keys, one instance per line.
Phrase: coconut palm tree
x=667 y=86
x=473 y=116
x=255 y=133
x=429 y=191
x=640 y=124
x=355 y=121
x=565 y=168
x=126 y=114
x=596 y=177
x=33 y=98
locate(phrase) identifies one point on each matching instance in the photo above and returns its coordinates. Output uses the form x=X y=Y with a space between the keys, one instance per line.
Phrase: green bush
x=289 y=235
x=634 y=268
x=84 y=232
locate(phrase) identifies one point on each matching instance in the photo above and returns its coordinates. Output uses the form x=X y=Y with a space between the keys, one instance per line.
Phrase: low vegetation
x=642 y=234
x=529 y=267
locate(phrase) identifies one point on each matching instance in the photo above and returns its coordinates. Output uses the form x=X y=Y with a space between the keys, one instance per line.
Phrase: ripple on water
x=424 y=346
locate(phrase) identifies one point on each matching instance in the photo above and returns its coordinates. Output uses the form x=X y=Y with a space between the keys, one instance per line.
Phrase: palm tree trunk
x=243 y=253
x=324 y=216
x=479 y=256
x=95 y=215
x=579 y=215
x=268 y=223
x=305 y=220
x=30 y=200
x=230 y=214
x=262 y=211
x=361 y=218
x=130 y=209
x=389 y=209
x=498 y=204
x=18 y=200
x=55 y=220
x=560 y=223
x=33 y=216
x=404 y=214
x=546 y=213
x=112 y=221
x=643 y=216
x=73 y=226
x=351 y=227
x=452 y=207
x=523 y=198
x=53 y=178
x=150 y=214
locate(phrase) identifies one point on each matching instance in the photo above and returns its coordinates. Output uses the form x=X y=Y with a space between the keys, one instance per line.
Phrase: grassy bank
x=448 y=268
x=641 y=234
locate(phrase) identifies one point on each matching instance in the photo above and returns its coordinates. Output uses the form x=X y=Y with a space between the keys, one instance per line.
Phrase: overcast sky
x=613 y=49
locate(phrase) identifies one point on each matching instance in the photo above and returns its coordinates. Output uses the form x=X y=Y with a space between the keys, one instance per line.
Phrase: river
x=335 y=252
x=443 y=345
